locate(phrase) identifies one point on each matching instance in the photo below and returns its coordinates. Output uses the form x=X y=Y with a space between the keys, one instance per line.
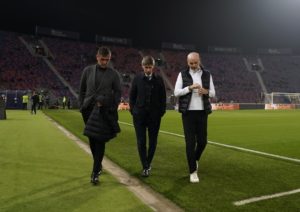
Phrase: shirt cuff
x=187 y=90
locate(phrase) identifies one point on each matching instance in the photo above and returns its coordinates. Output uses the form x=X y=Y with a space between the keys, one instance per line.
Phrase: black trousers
x=195 y=132
x=97 y=147
x=33 y=108
x=142 y=123
x=24 y=106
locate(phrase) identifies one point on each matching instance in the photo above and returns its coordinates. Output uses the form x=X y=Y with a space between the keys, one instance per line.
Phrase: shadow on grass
x=75 y=193
x=19 y=197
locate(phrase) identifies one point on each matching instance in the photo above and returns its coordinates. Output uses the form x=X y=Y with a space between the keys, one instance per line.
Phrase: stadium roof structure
x=261 y=23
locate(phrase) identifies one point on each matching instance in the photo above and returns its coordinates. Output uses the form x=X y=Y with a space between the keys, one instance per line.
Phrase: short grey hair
x=148 y=60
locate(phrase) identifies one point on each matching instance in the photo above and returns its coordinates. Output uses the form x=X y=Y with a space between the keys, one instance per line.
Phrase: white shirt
x=196 y=100
x=149 y=76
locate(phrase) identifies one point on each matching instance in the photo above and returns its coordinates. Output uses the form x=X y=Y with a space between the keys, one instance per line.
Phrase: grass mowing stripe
x=232 y=147
x=154 y=200
x=265 y=197
x=275 y=132
x=41 y=170
x=226 y=175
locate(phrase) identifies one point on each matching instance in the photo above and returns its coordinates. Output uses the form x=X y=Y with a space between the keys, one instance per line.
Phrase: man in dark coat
x=35 y=101
x=147 y=106
x=99 y=97
x=2 y=107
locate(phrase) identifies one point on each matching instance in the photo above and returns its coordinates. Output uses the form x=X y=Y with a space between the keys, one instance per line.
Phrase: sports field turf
x=42 y=170
x=226 y=175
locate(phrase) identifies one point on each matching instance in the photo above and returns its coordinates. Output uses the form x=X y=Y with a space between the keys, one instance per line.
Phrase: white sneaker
x=194 y=177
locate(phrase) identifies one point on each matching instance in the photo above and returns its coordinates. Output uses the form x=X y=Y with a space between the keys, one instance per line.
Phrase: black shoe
x=145 y=173
x=95 y=178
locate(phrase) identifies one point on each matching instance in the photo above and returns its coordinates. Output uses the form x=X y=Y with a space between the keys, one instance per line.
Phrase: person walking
x=99 y=97
x=194 y=87
x=34 y=101
x=147 y=105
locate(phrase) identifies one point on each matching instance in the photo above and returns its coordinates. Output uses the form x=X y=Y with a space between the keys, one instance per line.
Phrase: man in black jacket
x=34 y=101
x=147 y=106
x=100 y=93
x=194 y=87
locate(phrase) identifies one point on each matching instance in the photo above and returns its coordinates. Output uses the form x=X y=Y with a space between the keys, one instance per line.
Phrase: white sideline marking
x=256 y=199
x=154 y=200
x=230 y=146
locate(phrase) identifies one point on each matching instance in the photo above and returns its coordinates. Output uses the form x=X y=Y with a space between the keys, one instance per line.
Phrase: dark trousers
x=33 y=108
x=24 y=106
x=2 y=113
x=195 y=132
x=97 y=147
x=142 y=123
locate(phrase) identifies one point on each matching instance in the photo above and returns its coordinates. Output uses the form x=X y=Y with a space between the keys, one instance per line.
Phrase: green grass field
x=42 y=170
x=226 y=175
x=275 y=132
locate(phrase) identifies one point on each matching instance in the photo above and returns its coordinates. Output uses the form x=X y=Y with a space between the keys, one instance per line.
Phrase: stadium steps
x=52 y=67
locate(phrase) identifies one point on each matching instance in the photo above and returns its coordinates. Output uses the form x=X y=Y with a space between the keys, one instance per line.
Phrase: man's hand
x=202 y=91
x=194 y=86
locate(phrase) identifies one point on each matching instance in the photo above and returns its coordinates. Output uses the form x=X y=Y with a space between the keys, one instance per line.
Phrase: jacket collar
x=153 y=76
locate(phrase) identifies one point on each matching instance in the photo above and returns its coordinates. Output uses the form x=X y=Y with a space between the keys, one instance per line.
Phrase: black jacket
x=108 y=93
x=102 y=124
x=139 y=93
x=35 y=99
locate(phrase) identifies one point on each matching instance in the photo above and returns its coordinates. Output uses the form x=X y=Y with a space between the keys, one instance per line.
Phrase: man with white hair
x=194 y=87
